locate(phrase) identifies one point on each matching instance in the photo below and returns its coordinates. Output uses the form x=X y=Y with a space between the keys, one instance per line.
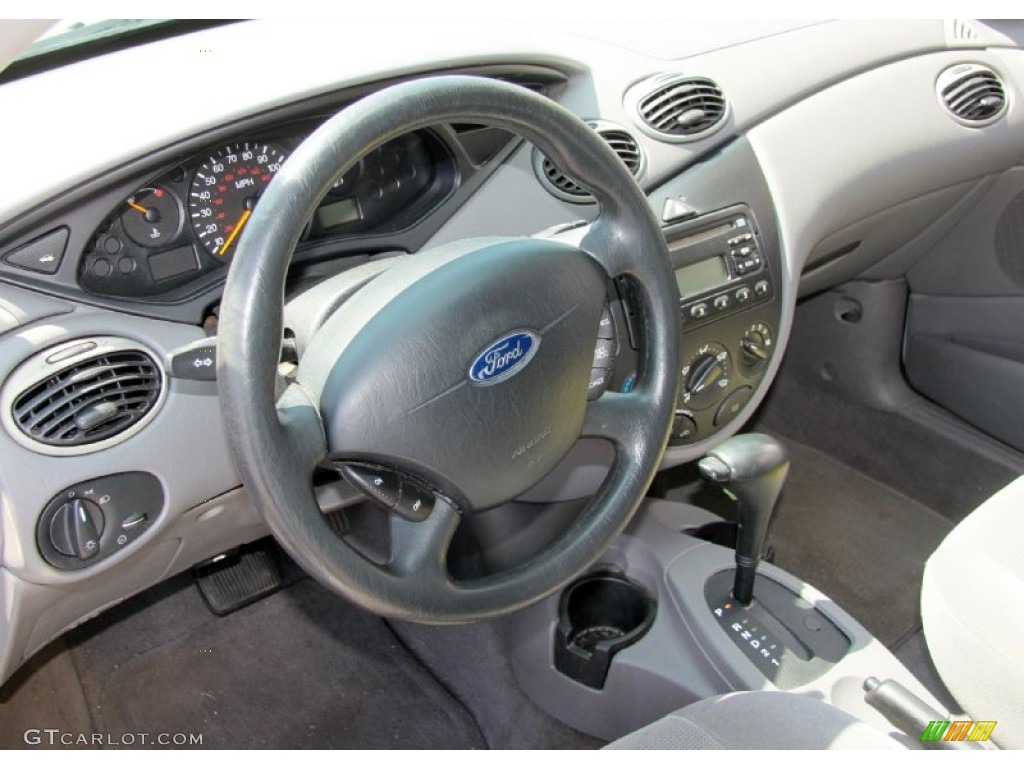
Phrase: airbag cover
x=494 y=347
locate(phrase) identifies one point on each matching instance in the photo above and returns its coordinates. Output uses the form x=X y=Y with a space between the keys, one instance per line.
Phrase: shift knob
x=751 y=469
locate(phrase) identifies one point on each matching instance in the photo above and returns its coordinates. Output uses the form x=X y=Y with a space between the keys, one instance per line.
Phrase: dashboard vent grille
x=561 y=182
x=622 y=143
x=973 y=94
x=683 y=108
x=93 y=400
x=625 y=147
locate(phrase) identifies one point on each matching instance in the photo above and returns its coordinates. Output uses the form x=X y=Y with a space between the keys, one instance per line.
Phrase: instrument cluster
x=186 y=223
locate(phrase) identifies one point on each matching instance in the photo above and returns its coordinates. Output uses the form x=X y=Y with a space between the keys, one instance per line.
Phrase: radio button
x=698 y=311
x=722 y=302
x=742 y=294
x=762 y=288
x=748 y=265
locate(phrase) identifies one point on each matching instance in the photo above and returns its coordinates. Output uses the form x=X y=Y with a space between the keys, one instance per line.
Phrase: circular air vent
x=82 y=396
x=562 y=186
x=972 y=93
x=677 y=107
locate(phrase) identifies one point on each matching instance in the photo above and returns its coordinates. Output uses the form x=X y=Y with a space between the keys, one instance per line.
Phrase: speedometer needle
x=136 y=206
x=234 y=233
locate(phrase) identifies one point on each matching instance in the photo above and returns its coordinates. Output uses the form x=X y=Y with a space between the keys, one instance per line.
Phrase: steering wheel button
x=381 y=485
x=599 y=379
x=415 y=502
x=605 y=329
x=604 y=353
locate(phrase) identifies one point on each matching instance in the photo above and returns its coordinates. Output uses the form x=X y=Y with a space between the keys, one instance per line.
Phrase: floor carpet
x=857 y=540
x=299 y=669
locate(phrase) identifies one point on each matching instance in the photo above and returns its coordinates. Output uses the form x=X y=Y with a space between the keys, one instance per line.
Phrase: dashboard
x=780 y=176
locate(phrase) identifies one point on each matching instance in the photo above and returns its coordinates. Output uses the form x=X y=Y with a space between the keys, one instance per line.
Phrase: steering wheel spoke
x=419 y=550
x=620 y=418
x=302 y=427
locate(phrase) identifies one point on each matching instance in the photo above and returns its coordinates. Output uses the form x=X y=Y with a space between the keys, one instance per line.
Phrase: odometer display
x=225 y=190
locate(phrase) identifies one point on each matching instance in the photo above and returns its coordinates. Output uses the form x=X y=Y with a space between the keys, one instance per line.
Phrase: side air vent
x=972 y=93
x=562 y=186
x=676 y=107
x=82 y=396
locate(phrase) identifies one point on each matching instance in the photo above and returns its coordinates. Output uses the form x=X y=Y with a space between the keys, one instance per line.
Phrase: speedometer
x=225 y=190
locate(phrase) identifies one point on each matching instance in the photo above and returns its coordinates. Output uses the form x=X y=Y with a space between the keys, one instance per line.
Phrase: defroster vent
x=83 y=395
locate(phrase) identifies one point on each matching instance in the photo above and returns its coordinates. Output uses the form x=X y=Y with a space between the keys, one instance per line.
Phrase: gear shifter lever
x=751 y=469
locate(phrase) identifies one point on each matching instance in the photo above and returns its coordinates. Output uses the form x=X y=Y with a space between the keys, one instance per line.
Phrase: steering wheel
x=459 y=375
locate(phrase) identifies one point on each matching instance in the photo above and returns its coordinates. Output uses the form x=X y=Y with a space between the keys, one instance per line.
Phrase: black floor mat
x=299 y=669
x=471 y=662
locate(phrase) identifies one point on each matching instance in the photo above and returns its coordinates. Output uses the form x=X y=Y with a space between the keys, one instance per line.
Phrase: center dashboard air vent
x=561 y=185
x=676 y=107
x=972 y=93
x=82 y=396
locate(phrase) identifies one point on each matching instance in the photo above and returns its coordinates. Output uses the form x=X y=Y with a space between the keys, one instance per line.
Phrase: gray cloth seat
x=757 y=720
x=972 y=609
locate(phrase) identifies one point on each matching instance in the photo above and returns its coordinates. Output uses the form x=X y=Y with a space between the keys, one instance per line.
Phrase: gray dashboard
x=834 y=136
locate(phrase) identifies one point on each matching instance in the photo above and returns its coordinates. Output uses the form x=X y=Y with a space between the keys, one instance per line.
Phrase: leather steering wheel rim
x=278 y=442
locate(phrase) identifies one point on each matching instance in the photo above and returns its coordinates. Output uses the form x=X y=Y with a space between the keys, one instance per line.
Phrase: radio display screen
x=697 y=278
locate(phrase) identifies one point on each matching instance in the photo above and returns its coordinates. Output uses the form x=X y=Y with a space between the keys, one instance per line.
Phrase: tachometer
x=225 y=190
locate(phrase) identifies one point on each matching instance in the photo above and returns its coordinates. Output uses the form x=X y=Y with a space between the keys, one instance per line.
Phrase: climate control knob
x=706 y=376
x=756 y=347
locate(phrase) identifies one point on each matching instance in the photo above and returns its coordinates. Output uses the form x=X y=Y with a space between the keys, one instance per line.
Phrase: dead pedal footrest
x=232 y=581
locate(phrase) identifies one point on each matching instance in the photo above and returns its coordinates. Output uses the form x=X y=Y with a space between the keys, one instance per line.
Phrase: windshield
x=68 y=33
x=71 y=40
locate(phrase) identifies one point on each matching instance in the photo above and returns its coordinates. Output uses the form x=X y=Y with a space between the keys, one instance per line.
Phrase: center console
x=729 y=314
x=656 y=626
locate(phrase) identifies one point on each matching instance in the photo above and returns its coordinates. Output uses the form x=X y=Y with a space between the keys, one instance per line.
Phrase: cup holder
x=598 y=616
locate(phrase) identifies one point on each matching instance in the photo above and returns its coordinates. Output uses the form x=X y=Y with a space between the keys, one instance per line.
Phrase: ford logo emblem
x=504 y=358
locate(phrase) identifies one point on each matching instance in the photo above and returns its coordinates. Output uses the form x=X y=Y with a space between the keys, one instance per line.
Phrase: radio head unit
x=719 y=267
